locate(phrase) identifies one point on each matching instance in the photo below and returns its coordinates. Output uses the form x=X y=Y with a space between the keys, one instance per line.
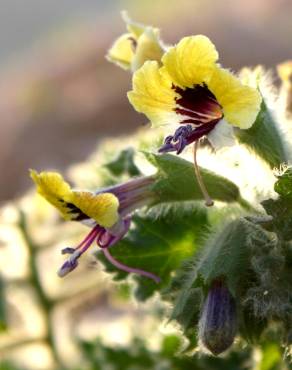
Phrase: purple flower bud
x=218 y=322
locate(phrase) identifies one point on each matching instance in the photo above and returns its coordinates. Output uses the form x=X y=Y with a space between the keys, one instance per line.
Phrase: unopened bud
x=218 y=322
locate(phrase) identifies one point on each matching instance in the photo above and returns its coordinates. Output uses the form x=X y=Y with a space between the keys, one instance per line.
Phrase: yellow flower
x=108 y=213
x=132 y=49
x=285 y=73
x=76 y=205
x=193 y=91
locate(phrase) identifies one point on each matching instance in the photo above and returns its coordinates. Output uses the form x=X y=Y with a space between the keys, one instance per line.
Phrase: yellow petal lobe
x=121 y=52
x=148 y=48
x=54 y=189
x=191 y=61
x=103 y=208
x=140 y=44
x=240 y=103
x=152 y=94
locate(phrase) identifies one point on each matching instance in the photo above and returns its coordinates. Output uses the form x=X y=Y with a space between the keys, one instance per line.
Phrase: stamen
x=70 y=250
x=72 y=262
x=129 y=269
x=208 y=200
x=209 y=115
x=178 y=141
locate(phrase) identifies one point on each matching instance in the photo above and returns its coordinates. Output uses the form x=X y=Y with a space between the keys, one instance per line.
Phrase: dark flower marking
x=200 y=112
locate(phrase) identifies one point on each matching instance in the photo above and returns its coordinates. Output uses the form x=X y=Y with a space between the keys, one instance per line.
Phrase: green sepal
x=263 y=138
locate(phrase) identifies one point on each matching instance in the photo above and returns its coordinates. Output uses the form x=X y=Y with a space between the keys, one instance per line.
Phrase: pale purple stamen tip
x=75 y=253
x=69 y=265
x=129 y=269
x=68 y=250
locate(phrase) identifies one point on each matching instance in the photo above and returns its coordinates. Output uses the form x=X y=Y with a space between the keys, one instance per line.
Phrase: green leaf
x=124 y=164
x=271 y=357
x=283 y=185
x=226 y=255
x=251 y=327
x=176 y=181
x=281 y=211
x=187 y=307
x=263 y=138
x=170 y=345
x=159 y=245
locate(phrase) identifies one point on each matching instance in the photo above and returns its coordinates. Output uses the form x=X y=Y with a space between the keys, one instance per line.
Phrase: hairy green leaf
x=251 y=327
x=281 y=211
x=176 y=181
x=264 y=138
x=283 y=185
x=187 y=307
x=159 y=245
x=226 y=255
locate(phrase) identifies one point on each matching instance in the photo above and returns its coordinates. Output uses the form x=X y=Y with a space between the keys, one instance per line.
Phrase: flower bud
x=218 y=322
x=139 y=44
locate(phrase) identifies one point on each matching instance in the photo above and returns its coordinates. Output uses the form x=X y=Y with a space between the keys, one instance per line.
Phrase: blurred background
x=59 y=101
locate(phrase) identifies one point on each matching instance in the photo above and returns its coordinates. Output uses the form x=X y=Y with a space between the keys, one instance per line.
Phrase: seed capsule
x=218 y=322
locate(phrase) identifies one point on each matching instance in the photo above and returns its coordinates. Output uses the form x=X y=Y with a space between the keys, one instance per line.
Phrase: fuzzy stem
x=208 y=200
x=126 y=268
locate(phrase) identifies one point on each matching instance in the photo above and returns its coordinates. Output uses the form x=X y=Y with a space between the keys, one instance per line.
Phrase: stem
x=208 y=200
x=126 y=268
x=45 y=302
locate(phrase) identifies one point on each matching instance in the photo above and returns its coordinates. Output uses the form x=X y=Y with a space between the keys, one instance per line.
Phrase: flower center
x=197 y=105
x=199 y=111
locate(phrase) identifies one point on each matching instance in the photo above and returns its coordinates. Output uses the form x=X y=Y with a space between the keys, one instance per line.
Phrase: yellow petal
x=121 y=53
x=148 y=48
x=285 y=71
x=240 y=103
x=103 y=208
x=136 y=29
x=152 y=94
x=54 y=189
x=191 y=61
x=132 y=49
